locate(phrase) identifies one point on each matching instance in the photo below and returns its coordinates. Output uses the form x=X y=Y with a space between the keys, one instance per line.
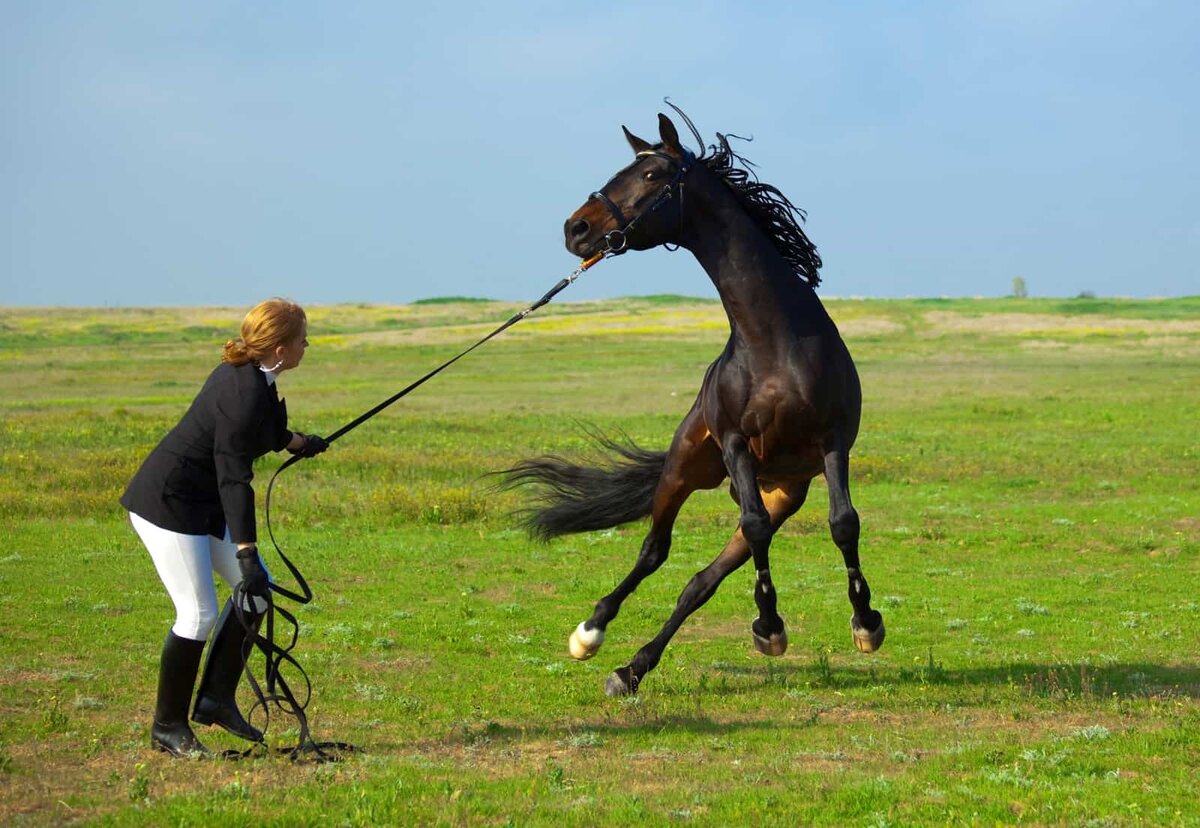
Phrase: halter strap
x=688 y=157
x=612 y=208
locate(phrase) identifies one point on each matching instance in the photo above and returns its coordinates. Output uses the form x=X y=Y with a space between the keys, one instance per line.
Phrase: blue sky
x=159 y=153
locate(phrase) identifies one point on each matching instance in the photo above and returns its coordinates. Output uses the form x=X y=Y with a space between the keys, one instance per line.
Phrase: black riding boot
x=215 y=700
x=176 y=678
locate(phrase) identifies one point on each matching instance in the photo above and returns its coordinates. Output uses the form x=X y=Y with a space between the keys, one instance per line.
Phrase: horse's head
x=640 y=207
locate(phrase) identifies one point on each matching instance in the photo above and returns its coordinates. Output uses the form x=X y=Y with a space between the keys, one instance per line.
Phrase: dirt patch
x=51 y=783
x=1188 y=526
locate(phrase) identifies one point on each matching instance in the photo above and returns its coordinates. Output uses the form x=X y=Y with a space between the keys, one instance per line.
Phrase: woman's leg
x=216 y=700
x=225 y=563
x=185 y=567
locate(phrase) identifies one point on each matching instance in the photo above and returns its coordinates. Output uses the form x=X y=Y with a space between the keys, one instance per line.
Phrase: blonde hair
x=268 y=324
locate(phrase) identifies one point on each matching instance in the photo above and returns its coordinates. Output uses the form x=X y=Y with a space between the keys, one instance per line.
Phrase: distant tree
x=1086 y=294
x=1018 y=288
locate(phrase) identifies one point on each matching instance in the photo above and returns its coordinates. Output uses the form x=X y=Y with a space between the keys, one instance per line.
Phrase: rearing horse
x=778 y=407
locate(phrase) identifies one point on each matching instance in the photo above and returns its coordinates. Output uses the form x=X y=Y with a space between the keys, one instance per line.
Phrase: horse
x=779 y=406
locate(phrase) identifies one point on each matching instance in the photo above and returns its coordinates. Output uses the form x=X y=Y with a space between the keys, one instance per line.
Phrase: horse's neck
x=764 y=299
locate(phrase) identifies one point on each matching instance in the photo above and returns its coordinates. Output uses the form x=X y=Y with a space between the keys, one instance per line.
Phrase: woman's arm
x=307 y=445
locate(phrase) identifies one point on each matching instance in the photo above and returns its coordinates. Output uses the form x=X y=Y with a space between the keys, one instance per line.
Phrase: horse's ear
x=637 y=143
x=669 y=135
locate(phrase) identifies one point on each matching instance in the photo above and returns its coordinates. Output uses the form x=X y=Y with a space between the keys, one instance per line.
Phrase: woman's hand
x=308 y=445
x=313 y=445
x=254 y=576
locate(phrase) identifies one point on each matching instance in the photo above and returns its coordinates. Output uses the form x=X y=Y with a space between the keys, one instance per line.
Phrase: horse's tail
x=575 y=498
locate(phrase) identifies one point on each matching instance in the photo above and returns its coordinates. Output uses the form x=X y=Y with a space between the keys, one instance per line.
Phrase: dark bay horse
x=778 y=407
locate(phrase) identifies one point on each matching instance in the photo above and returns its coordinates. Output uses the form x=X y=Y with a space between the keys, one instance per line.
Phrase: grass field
x=1027 y=477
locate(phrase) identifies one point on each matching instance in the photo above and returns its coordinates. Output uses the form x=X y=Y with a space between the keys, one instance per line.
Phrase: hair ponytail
x=268 y=325
x=234 y=352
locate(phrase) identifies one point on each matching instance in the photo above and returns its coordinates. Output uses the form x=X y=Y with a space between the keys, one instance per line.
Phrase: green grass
x=1026 y=476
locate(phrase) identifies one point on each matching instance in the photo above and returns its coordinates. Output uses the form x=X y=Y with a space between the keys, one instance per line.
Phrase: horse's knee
x=756 y=527
x=844 y=527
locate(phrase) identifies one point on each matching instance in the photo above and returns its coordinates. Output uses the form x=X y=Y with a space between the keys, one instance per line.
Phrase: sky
x=162 y=153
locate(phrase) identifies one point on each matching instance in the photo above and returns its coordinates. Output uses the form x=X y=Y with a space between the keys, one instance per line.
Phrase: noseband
x=617 y=240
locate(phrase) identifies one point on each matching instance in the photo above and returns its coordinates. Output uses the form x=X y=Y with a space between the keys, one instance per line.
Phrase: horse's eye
x=651 y=175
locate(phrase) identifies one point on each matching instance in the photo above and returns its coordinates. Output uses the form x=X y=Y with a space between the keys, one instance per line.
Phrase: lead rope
x=277 y=690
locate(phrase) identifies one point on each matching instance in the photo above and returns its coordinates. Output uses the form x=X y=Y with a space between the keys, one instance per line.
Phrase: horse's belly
x=788 y=468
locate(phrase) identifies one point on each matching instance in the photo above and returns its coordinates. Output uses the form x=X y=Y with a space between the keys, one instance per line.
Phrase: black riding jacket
x=197 y=480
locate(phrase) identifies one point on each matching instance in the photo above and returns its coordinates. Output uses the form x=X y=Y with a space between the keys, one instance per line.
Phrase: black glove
x=312 y=446
x=254 y=577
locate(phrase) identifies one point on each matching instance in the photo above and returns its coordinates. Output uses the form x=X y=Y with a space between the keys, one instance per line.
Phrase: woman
x=192 y=505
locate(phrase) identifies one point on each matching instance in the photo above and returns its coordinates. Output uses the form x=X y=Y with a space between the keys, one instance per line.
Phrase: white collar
x=270 y=375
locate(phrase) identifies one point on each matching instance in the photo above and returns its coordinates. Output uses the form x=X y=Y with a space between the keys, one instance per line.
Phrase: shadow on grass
x=585 y=734
x=1054 y=680
x=679 y=706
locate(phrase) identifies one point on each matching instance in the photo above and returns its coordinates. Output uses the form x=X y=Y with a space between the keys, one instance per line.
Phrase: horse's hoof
x=867 y=641
x=619 y=685
x=584 y=642
x=773 y=645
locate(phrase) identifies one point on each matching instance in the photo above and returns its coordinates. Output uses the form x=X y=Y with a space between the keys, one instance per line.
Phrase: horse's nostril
x=579 y=228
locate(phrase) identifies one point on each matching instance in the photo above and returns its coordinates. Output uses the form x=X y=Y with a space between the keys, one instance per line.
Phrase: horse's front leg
x=693 y=462
x=866 y=624
x=781 y=504
x=757 y=527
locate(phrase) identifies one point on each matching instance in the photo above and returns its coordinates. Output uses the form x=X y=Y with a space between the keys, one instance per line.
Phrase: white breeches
x=186 y=564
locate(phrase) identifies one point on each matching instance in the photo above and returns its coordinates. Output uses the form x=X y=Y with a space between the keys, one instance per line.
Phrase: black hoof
x=621 y=683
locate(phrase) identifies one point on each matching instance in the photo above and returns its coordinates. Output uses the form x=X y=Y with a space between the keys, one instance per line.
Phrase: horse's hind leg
x=866 y=624
x=625 y=680
x=778 y=506
x=694 y=462
x=586 y=639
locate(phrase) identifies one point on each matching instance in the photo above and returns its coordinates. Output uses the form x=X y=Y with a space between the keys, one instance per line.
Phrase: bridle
x=617 y=241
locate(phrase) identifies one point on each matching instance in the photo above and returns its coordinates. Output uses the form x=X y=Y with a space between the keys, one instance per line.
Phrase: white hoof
x=584 y=643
